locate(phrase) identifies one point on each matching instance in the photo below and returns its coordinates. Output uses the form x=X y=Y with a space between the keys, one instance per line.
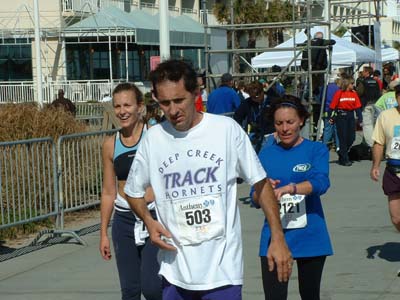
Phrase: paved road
x=366 y=260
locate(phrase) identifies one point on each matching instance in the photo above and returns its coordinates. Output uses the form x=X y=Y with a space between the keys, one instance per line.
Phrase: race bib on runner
x=395 y=148
x=293 y=211
x=199 y=219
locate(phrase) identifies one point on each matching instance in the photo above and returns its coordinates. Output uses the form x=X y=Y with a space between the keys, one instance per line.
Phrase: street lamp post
x=164 y=31
x=39 y=94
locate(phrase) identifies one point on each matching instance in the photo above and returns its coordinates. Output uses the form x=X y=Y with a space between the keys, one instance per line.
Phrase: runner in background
x=387 y=135
x=299 y=172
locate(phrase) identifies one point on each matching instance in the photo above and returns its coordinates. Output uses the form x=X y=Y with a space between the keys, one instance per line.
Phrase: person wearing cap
x=223 y=99
x=388 y=99
x=386 y=137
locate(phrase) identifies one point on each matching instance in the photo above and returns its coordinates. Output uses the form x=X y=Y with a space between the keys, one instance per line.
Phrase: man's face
x=257 y=94
x=178 y=104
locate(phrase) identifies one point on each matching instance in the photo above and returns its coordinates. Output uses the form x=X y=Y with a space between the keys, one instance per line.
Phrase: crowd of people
x=180 y=181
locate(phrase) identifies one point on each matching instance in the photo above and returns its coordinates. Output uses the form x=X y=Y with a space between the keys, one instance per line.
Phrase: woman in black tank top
x=136 y=257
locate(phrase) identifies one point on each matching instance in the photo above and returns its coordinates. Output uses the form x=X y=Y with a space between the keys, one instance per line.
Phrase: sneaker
x=346 y=163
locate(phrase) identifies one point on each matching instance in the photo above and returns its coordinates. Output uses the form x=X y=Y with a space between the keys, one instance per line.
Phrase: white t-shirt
x=193 y=175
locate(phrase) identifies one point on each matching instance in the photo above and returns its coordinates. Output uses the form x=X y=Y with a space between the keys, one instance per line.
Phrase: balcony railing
x=79 y=6
x=76 y=91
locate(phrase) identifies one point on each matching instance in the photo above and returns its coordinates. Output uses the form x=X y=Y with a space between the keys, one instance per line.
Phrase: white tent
x=344 y=53
x=390 y=54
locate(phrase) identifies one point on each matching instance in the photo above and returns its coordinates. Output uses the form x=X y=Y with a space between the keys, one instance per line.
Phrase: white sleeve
x=138 y=179
x=249 y=165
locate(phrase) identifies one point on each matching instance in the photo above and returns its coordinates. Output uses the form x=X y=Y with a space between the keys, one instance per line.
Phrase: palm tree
x=278 y=11
x=244 y=12
x=250 y=12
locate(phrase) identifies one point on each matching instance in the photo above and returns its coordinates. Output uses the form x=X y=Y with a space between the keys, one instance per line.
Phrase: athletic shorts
x=173 y=292
x=390 y=183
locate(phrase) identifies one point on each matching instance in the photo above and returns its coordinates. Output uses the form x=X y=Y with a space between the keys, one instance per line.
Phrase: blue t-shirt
x=331 y=89
x=222 y=100
x=308 y=161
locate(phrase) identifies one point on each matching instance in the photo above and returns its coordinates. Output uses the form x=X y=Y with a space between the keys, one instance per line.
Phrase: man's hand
x=286 y=189
x=159 y=235
x=279 y=255
x=375 y=173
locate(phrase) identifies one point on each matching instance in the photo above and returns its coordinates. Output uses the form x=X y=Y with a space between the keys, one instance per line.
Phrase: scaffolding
x=302 y=19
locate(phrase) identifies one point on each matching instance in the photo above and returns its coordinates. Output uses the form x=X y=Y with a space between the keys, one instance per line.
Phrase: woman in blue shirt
x=299 y=173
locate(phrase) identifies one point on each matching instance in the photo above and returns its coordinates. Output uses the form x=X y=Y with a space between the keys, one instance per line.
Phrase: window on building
x=16 y=62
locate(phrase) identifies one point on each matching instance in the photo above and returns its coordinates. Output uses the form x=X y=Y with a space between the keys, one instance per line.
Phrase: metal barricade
x=79 y=164
x=28 y=181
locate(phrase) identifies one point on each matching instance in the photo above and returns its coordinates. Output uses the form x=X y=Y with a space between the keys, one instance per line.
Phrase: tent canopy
x=390 y=54
x=344 y=53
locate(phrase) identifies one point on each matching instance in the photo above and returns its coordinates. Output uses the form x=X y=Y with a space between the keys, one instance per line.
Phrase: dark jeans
x=309 y=277
x=329 y=133
x=345 y=126
x=137 y=265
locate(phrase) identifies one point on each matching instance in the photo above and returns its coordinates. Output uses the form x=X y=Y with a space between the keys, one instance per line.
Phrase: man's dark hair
x=368 y=69
x=174 y=70
x=126 y=86
x=377 y=73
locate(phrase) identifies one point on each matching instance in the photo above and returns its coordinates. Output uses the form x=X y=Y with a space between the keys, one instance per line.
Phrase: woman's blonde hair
x=346 y=80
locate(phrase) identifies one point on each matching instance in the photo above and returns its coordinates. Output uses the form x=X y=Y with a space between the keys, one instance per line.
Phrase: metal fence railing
x=75 y=90
x=79 y=165
x=41 y=179
x=84 y=110
x=90 y=113
x=28 y=181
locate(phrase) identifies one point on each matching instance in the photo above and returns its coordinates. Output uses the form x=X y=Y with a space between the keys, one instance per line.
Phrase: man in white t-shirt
x=387 y=135
x=192 y=161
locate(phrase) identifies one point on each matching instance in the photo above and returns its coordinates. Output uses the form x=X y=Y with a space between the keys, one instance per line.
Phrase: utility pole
x=164 y=31
x=233 y=38
x=377 y=37
x=39 y=93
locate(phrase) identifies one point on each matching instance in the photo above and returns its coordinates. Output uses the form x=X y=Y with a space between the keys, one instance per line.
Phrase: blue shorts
x=172 y=292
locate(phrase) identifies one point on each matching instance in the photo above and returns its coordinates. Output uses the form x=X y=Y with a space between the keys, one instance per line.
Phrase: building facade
x=91 y=40
x=94 y=39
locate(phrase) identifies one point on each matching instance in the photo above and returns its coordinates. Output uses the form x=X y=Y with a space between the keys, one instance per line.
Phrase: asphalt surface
x=364 y=266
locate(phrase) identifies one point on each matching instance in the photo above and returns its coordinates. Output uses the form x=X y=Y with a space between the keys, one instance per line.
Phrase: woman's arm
x=108 y=195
